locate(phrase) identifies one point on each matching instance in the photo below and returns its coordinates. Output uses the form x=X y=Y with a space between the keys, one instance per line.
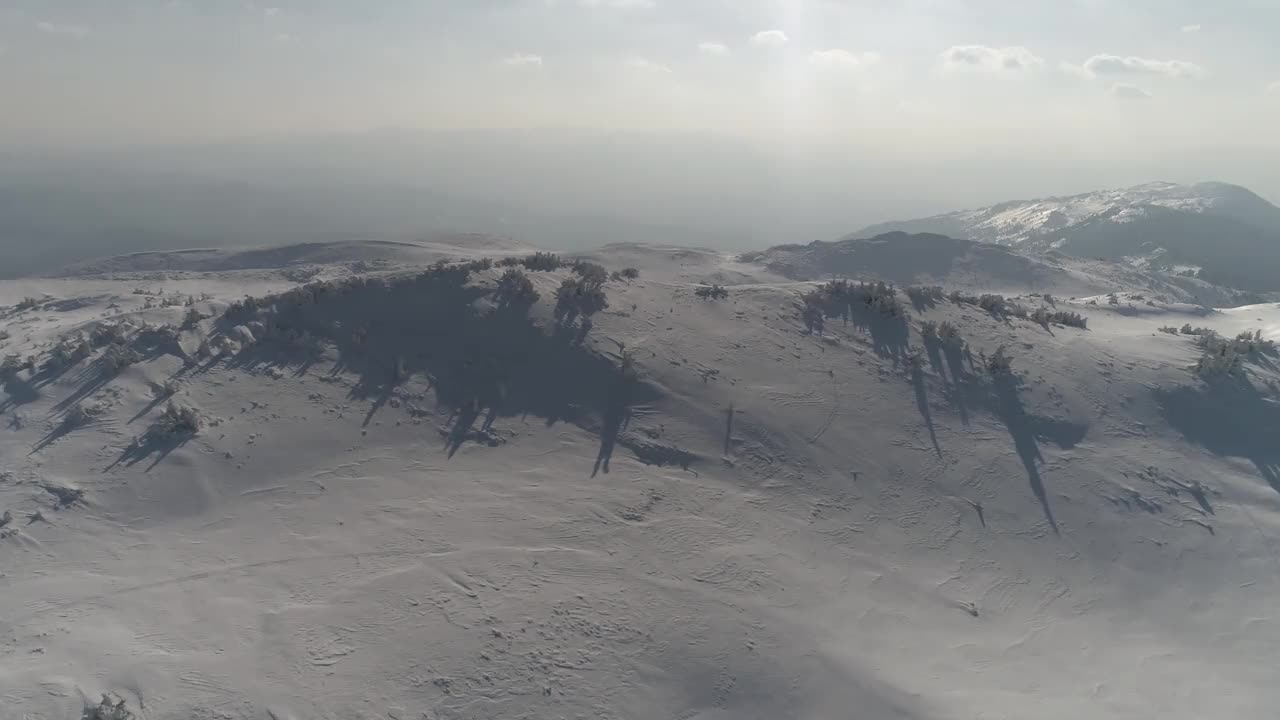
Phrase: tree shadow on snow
x=1229 y=418
x=922 y=404
x=18 y=392
x=1001 y=396
x=92 y=378
x=157 y=444
x=484 y=358
x=59 y=431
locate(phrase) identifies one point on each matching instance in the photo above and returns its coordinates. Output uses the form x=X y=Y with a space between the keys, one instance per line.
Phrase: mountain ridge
x=1218 y=231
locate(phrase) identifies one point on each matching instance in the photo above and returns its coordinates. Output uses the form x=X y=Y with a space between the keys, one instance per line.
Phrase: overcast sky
x=881 y=107
x=905 y=72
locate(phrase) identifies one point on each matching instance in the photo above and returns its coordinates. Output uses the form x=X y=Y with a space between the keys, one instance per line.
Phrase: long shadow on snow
x=922 y=404
x=1001 y=396
x=92 y=378
x=59 y=431
x=481 y=359
x=152 y=443
x=890 y=333
x=1228 y=417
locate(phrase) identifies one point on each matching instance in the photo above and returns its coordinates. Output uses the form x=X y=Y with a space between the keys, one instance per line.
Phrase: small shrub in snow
x=994 y=304
x=119 y=357
x=629 y=273
x=107 y=709
x=1221 y=356
x=916 y=358
x=578 y=297
x=543 y=262
x=998 y=363
x=178 y=420
x=68 y=352
x=1169 y=329
x=76 y=416
x=192 y=318
x=241 y=312
x=949 y=334
x=109 y=333
x=711 y=292
x=515 y=289
x=27 y=303
x=1219 y=362
x=925 y=295
x=243 y=335
x=12 y=365
x=590 y=272
x=945 y=333
x=1044 y=316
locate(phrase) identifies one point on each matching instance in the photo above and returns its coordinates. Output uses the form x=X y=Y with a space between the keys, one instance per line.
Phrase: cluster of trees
x=1002 y=307
x=925 y=296
x=711 y=292
x=945 y=334
x=1225 y=357
x=1044 y=316
x=871 y=303
x=178 y=419
x=580 y=295
x=997 y=363
x=13 y=364
x=1187 y=330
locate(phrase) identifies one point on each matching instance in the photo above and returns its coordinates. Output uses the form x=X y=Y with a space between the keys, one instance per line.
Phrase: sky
x=758 y=120
x=910 y=74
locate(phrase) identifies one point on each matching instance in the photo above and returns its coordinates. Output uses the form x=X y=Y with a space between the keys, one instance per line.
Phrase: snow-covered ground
x=774 y=524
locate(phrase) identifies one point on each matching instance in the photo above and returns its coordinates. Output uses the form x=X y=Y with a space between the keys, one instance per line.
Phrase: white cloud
x=1274 y=89
x=75 y=31
x=837 y=59
x=1190 y=28
x=770 y=38
x=1115 y=65
x=1125 y=91
x=990 y=59
x=713 y=48
x=522 y=61
x=271 y=12
x=618 y=4
x=646 y=65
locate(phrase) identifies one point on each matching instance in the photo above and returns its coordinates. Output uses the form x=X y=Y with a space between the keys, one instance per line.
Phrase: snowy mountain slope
x=1228 y=232
x=928 y=259
x=696 y=509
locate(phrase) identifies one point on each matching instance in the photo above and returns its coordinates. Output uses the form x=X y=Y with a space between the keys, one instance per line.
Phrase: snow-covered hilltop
x=355 y=480
x=1222 y=232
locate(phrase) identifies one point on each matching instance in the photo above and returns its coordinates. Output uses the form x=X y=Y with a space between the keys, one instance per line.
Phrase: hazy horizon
x=731 y=124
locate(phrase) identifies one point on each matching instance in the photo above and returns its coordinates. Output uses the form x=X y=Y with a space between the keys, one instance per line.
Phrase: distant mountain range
x=1219 y=232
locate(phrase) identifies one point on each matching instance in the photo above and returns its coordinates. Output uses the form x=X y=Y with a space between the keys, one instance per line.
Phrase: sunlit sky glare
x=907 y=73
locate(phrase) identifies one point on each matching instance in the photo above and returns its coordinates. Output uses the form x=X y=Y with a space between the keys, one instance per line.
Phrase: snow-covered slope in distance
x=1227 y=232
